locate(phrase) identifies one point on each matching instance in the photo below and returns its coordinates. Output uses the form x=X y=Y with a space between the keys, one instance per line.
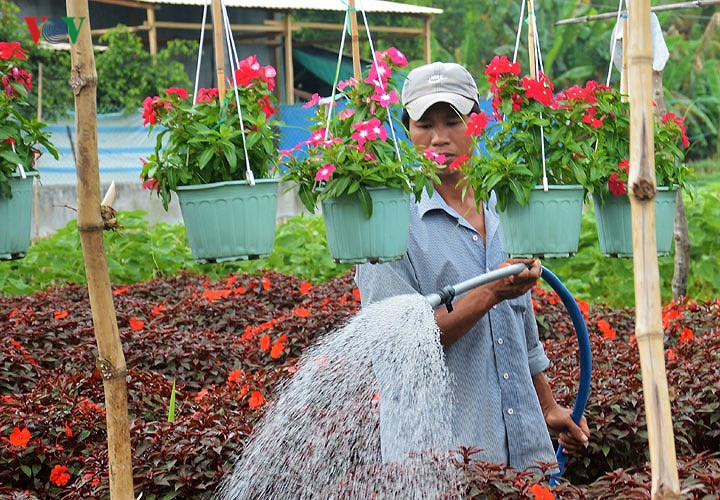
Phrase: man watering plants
x=503 y=403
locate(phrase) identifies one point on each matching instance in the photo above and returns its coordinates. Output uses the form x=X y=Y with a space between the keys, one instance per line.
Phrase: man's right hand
x=519 y=284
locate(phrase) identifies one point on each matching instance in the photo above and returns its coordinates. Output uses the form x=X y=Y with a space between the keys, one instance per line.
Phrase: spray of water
x=321 y=438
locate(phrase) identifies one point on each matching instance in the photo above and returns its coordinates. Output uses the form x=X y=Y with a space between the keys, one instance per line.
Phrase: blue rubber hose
x=585 y=357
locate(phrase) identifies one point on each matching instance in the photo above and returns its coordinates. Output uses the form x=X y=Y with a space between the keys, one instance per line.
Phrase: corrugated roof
x=336 y=5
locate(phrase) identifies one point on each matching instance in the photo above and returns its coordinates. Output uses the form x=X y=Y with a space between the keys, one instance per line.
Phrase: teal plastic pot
x=355 y=239
x=614 y=223
x=228 y=221
x=548 y=226
x=16 y=217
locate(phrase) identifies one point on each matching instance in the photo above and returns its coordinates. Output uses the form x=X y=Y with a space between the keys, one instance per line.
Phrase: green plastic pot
x=16 y=217
x=614 y=223
x=548 y=226
x=228 y=221
x=354 y=239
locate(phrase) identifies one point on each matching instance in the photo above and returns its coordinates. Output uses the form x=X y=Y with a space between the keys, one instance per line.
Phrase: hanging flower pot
x=548 y=226
x=354 y=238
x=614 y=223
x=228 y=221
x=16 y=217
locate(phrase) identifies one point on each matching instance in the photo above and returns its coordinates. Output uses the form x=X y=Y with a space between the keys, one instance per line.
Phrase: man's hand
x=519 y=284
x=573 y=438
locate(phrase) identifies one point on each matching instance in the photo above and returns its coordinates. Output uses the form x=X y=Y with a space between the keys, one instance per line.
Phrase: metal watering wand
x=448 y=294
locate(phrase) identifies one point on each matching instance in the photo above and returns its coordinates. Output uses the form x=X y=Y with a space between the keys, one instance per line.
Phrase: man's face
x=442 y=129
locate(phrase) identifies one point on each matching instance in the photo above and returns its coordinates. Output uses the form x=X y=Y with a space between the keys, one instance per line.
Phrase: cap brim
x=417 y=108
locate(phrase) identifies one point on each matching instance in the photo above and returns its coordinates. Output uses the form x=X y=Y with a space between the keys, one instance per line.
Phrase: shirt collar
x=436 y=202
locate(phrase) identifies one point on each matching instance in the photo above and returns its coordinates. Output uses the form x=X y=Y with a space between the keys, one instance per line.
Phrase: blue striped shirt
x=495 y=407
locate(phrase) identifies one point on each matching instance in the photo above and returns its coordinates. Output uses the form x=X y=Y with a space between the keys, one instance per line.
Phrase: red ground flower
x=19 y=437
x=59 y=475
x=136 y=325
x=256 y=399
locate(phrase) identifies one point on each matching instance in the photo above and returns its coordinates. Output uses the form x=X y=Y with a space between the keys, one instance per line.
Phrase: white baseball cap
x=438 y=82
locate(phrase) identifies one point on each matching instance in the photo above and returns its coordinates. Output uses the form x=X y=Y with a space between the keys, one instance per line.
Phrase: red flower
x=356 y=294
x=680 y=122
x=59 y=475
x=265 y=342
x=590 y=119
x=266 y=284
x=267 y=75
x=305 y=288
x=68 y=431
x=248 y=70
x=151 y=105
x=301 y=312
x=616 y=185
x=686 y=335
x=517 y=100
x=256 y=399
x=19 y=437
x=151 y=184
x=234 y=377
x=279 y=347
x=178 y=91
x=266 y=107
x=60 y=314
x=499 y=66
x=136 y=325
x=670 y=355
x=540 y=89
x=625 y=165
x=541 y=493
x=476 y=124
x=459 y=162
x=8 y=50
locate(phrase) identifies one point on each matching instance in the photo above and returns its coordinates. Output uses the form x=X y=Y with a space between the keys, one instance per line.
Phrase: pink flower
x=346 y=113
x=431 y=154
x=378 y=75
x=459 y=162
x=369 y=131
x=397 y=57
x=151 y=184
x=313 y=101
x=178 y=91
x=616 y=185
x=385 y=99
x=476 y=124
x=316 y=137
x=325 y=172
x=267 y=74
x=207 y=95
x=369 y=156
x=350 y=82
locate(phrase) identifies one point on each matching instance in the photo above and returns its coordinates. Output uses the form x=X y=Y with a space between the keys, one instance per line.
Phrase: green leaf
x=171 y=411
x=365 y=201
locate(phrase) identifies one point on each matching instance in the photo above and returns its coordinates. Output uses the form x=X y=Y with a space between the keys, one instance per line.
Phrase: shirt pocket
x=518 y=305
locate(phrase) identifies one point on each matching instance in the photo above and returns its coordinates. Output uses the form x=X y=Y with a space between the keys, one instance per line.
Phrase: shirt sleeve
x=537 y=359
x=381 y=281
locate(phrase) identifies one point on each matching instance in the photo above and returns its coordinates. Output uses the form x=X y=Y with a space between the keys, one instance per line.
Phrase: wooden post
x=531 y=40
x=354 y=40
x=152 y=32
x=219 y=43
x=428 y=40
x=289 y=71
x=642 y=190
x=111 y=361
x=624 y=66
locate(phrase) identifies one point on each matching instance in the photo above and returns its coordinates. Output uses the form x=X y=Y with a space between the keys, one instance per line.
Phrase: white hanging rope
x=337 y=72
x=519 y=31
x=614 y=42
x=539 y=61
x=372 y=51
x=20 y=168
x=232 y=52
x=200 y=51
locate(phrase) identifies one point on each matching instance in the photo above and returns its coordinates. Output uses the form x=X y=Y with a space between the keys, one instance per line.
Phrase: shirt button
x=500 y=341
x=506 y=376
x=510 y=411
x=475 y=237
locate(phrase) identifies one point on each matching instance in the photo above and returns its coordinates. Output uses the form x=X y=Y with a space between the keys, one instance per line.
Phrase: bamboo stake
x=218 y=45
x=531 y=40
x=624 y=67
x=289 y=70
x=111 y=362
x=354 y=39
x=642 y=190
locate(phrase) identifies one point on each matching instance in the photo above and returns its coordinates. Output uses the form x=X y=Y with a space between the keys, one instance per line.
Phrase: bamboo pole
x=624 y=66
x=152 y=32
x=111 y=361
x=531 y=40
x=355 y=40
x=218 y=45
x=642 y=190
x=427 y=40
x=289 y=70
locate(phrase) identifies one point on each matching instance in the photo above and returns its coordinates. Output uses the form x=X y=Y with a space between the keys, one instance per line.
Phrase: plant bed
x=227 y=344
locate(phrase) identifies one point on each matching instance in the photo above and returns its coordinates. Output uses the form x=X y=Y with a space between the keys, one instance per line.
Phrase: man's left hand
x=573 y=438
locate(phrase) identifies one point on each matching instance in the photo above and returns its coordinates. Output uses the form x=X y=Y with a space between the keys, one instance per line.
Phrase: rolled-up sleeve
x=381 y=281
x=537 y=360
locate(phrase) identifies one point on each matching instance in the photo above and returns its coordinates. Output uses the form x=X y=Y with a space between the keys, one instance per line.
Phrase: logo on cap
x=436 y=78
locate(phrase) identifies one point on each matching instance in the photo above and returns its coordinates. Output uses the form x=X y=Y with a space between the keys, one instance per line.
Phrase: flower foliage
x=582 y=132
x=202 y=143
x=21 y=136
x=356 y=150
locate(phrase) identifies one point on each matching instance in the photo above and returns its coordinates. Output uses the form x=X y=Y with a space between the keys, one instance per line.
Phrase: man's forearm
x=544 y=392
